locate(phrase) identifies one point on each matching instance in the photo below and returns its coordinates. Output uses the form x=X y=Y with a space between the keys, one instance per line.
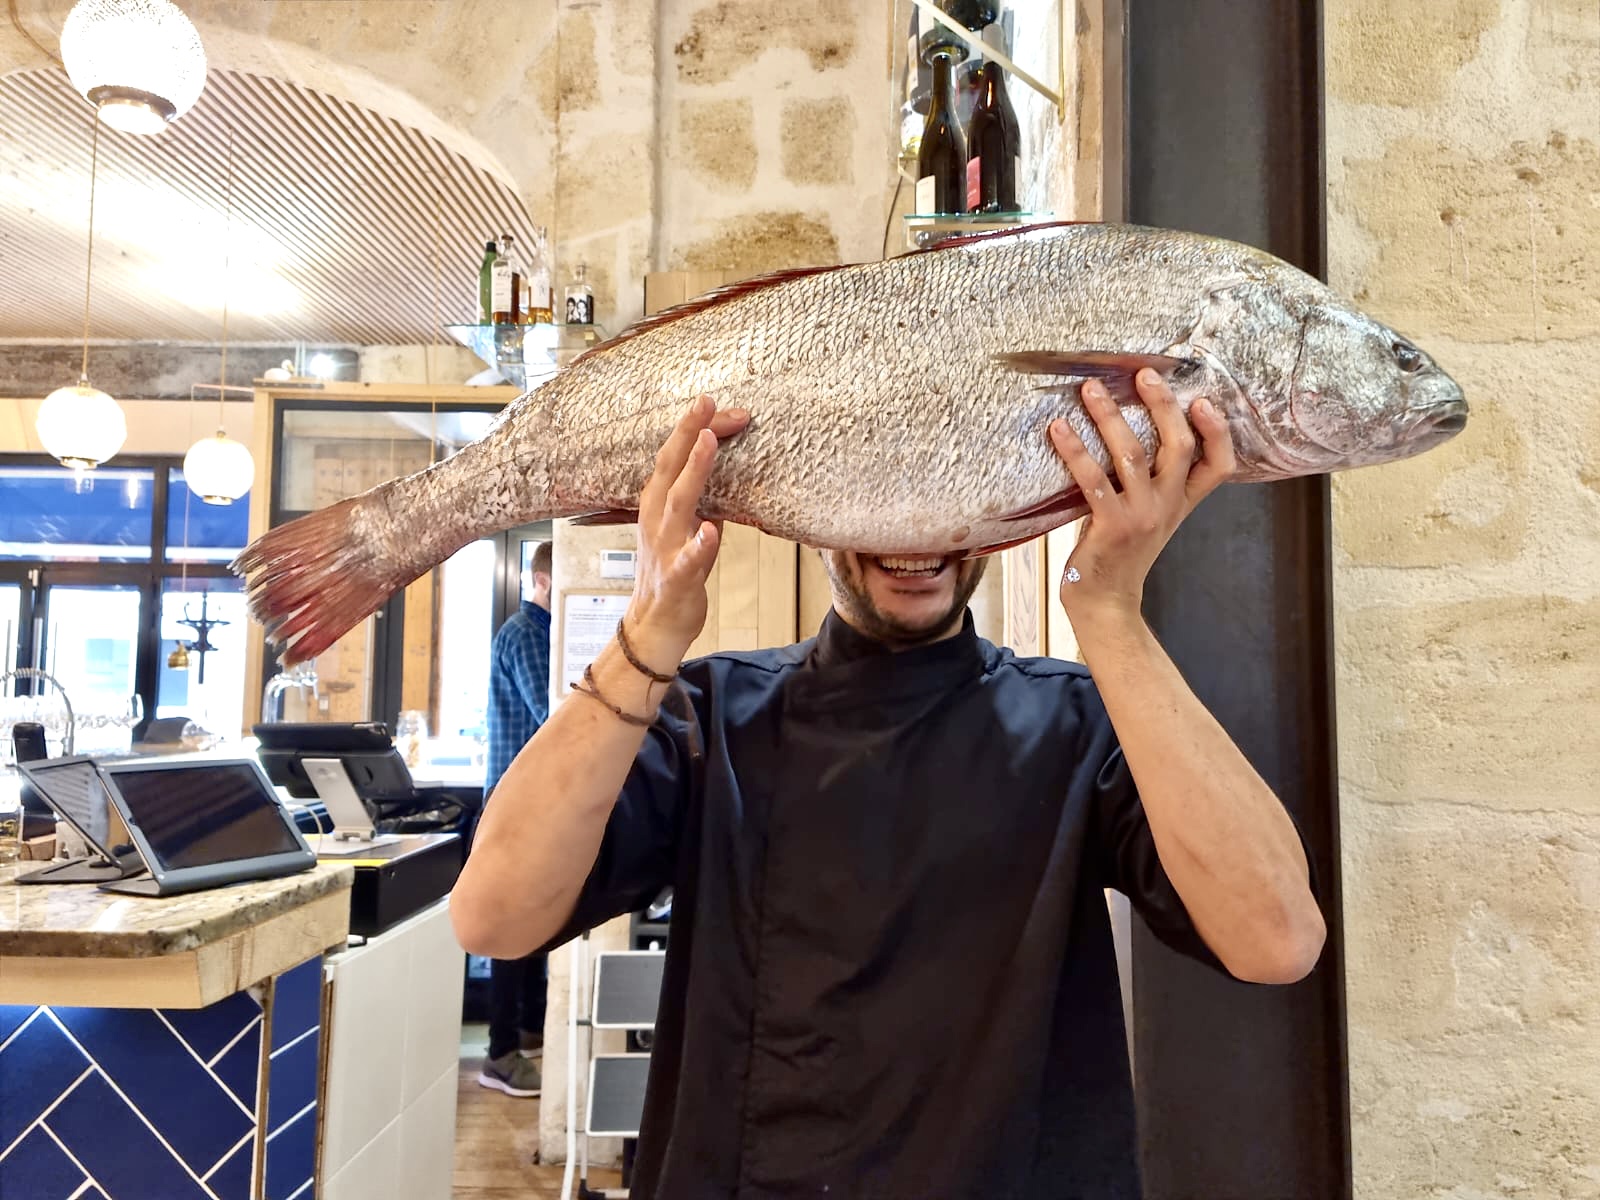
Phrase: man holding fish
x=891 y=973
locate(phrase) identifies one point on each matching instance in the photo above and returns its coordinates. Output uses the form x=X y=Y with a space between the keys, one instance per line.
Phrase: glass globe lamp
x=81 y=426
x=139 y=62
x=218 y=469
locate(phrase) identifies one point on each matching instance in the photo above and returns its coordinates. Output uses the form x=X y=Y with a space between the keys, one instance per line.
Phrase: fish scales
x=885 y=415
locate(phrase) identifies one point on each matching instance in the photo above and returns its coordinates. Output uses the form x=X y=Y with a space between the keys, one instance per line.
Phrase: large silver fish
x=897 y=407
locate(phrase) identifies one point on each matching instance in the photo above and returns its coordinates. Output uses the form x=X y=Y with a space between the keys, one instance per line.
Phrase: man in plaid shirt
x=519 y=702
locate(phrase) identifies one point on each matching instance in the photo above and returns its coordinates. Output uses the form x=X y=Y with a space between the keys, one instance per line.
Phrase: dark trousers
x=516 y=1001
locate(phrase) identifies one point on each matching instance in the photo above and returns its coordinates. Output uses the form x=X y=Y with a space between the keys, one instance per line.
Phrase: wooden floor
x=497 y=1144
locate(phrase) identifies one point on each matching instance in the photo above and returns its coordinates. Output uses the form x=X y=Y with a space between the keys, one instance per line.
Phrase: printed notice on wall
x=589 y=622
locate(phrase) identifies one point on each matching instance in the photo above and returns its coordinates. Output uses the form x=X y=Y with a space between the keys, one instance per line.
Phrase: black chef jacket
x=890 y=972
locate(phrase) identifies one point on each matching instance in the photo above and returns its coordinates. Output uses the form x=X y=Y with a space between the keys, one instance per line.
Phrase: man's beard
x=868 y=618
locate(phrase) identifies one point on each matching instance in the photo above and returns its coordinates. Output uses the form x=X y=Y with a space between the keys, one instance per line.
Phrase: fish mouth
x=1438 y=421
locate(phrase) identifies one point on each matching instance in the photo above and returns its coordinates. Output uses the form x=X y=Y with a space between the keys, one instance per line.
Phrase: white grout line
x=34 y=1016
x=229 y=1153
x=39 y=1120
x=223 y=1087
x=301 y=1190
x=296 y=1042
x=291 y=1120
x=156 y=1133
x=238 y=1037
x=90 y=1180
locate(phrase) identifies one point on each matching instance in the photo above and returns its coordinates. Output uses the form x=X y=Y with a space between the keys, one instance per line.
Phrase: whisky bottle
x=506 y=284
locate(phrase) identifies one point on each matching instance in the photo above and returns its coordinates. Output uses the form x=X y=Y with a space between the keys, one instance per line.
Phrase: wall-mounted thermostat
x=616 y=564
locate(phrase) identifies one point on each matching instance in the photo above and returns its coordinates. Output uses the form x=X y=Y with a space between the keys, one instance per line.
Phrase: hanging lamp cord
x=227 y=263
x=88 y=269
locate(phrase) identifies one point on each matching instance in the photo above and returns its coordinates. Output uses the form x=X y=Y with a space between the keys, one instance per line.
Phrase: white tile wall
x=394 y=1033
x=365 y=1047
x=375 y=1172
x=427 y=1141
x=436 y=973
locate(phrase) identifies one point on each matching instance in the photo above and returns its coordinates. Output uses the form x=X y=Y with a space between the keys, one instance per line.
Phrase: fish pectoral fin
x=1063 y=501
x=1087 y=364
x=609 y=516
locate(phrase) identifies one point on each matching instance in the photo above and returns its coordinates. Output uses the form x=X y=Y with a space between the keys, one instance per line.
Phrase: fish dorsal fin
x=955 y=241
x=745 y=287
x=721 y=295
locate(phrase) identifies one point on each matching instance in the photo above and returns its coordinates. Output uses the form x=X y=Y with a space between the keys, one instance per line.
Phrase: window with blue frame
x=103 y=575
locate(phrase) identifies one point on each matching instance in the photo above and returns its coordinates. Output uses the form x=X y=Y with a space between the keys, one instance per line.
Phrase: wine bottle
x=993 y=140
x=580 y=299
x=942 y=157
x=491 y=252
x=506 y=280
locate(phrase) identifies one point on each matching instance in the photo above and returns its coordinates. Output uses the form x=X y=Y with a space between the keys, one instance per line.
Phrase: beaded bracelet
x=633 y=659
x=593 y=691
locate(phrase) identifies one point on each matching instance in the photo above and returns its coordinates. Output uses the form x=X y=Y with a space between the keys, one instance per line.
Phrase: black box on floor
x=397 y=879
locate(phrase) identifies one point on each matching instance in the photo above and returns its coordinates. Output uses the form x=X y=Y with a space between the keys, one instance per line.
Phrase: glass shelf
x=527 y=355
x=923 y=229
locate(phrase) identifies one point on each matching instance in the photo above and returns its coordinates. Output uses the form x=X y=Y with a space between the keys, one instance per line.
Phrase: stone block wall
x=1464 y=208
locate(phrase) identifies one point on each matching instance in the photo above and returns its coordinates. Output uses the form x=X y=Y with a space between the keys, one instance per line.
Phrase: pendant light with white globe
x=218 y=469
x=81 y=425
x=139 y=62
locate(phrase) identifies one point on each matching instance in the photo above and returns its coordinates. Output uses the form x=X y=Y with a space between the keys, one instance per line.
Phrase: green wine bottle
x=486 y=284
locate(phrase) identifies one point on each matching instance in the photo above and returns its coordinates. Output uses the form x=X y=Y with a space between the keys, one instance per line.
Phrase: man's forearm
x=1224 y=838
x=541 y=831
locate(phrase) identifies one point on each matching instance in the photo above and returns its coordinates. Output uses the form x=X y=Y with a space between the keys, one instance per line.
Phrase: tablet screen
x=200 y=815
x=75 y=789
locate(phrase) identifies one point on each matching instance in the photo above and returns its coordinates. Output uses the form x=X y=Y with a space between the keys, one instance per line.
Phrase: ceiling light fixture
x=81 y=425
x=139 y=62
x=218 y=469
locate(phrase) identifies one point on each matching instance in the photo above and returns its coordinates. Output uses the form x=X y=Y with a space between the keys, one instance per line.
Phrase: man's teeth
x=910 y=565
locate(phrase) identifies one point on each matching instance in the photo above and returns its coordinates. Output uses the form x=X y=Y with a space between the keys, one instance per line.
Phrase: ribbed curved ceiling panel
x=342 y=219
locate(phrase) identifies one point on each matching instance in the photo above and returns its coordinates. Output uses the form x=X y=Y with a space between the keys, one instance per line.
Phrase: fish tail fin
x=309 y=582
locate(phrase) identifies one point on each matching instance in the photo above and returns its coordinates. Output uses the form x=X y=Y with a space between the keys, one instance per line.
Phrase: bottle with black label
x=491 y=253
x=505 y=283
x=942 y=157
x=994 y=139
x=580 y=298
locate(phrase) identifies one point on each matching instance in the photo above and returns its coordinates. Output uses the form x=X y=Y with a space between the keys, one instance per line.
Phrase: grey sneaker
x=511 y=1073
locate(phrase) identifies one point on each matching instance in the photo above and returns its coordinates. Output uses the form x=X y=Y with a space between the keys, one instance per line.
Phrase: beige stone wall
x=1464 y=208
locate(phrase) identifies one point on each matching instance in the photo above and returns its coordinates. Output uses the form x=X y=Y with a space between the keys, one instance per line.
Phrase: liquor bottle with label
x=580 y=298
x=994 y=140
x=505 y=283
x=942 y=156
x=491 y=253
x=539 y=297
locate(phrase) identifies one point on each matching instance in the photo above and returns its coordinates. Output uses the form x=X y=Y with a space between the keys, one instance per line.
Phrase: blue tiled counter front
x=107 y=1092
x=161 y=1104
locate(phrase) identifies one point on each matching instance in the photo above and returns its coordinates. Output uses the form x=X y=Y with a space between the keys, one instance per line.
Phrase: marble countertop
x=75 y=920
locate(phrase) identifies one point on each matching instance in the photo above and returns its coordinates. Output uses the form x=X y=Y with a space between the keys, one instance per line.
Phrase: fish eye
x=1407 y=357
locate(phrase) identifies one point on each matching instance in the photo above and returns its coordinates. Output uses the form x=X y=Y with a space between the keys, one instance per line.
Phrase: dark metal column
x=1242 y=1090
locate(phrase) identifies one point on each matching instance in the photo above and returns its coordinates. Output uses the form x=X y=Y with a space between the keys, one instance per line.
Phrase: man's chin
x=903 y=601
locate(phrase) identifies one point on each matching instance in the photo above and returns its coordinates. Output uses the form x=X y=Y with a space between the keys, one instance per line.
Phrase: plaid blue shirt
x=519 y=686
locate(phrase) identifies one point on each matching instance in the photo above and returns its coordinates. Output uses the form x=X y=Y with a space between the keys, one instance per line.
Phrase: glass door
x=10 y=625
x=91 y=649
x=204 y=683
